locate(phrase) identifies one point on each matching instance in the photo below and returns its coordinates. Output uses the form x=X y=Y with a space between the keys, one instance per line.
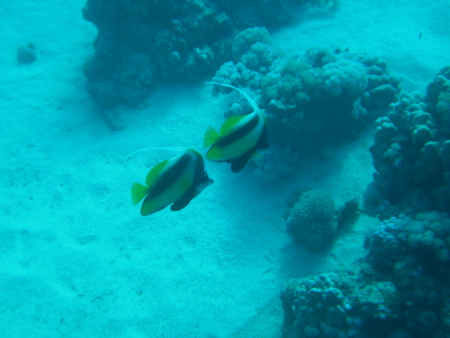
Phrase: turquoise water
x=76 y=257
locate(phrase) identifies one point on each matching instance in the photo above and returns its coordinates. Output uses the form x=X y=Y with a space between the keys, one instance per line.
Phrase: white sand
x=77 y=259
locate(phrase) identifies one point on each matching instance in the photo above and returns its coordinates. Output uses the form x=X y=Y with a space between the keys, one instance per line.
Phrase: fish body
x=175 y=181
x=239 y=136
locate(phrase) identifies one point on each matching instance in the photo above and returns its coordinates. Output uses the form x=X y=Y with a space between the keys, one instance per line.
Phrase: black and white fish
x=239 y=136
x=175 y=181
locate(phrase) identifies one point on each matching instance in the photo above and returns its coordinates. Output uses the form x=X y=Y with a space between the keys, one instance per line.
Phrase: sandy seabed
x=77 y=259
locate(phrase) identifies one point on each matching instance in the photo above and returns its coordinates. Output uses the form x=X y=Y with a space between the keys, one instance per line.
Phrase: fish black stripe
x=240 y=133
x=262 y=142
x=200 y=173
x=169 y=176
x=199 y=170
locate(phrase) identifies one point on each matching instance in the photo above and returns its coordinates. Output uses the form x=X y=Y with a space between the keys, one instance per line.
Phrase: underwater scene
x=225 y=168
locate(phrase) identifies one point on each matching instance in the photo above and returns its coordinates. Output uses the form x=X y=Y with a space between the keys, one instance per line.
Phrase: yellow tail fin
x=211 y=136
x=138 y=192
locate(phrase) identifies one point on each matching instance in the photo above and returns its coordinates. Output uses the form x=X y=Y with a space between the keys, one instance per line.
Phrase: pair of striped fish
x=180 y=179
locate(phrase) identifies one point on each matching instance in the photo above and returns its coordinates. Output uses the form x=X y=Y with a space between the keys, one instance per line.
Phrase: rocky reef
x=143 y=42
x=339 y=304
x=399 y=289
x=312 y=99
x=411 y=153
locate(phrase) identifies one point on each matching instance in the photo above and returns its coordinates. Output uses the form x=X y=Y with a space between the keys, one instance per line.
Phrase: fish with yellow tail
x=239 y=136
x=175 y=181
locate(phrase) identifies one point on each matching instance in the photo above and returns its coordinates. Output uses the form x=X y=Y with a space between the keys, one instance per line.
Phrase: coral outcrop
x=340 y=304
x=313 y=219
x=399 y=290
x=411 y=153
x=312 y=100
x=414 y=253
x=141 y=43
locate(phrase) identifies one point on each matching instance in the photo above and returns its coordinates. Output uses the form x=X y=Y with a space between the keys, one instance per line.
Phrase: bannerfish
x=239 y=136
x=174 y=181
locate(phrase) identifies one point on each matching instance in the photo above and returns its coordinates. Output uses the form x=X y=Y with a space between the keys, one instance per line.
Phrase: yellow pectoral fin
x=229 y=124
x=215 y=154
x=138 y=192
x=211 y=137
x=155 y=172
x=151 y=205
